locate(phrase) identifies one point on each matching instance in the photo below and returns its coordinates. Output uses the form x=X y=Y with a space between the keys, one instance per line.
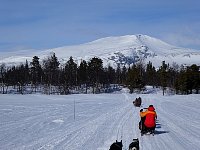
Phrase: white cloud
x=184 y=36
x=182 y=40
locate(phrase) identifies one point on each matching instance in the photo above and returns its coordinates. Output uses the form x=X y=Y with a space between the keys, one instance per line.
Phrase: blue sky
x=45 y=24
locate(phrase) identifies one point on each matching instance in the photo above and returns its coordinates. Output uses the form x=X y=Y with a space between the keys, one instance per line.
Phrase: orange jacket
x=150 y=115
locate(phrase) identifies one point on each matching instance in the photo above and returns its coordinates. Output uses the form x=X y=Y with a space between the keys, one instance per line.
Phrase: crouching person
x=150 y=120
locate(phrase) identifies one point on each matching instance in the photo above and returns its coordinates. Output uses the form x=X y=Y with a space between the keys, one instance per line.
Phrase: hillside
x=123 y=50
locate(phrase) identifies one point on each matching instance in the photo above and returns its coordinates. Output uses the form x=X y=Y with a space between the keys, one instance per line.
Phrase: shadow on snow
x=161 y=132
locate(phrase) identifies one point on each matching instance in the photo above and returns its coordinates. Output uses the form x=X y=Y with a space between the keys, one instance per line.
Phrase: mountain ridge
x=123 y=50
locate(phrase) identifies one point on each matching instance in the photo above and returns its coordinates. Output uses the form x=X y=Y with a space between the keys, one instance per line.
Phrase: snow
x=113 y=50
x=94 y=122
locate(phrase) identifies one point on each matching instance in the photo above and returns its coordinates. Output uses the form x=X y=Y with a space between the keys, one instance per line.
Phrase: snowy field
x=94 y=122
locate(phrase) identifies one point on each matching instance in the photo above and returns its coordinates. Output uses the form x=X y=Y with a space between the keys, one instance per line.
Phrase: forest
x=49 y=76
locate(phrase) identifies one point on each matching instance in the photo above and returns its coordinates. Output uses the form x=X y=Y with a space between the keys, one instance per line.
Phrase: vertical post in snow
x=74 y=110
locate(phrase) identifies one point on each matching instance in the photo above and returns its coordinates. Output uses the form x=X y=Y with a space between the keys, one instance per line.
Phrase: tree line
x=51 y=77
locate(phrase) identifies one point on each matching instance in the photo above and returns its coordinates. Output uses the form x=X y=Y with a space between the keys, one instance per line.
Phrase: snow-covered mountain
x=122 y=50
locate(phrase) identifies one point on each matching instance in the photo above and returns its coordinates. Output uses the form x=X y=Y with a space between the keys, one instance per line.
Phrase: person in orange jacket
x=150 y=119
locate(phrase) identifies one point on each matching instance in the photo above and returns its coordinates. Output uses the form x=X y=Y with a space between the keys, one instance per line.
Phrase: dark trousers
x=141 y=124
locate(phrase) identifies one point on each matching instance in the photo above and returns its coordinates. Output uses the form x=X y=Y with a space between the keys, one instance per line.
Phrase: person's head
x=151 y=108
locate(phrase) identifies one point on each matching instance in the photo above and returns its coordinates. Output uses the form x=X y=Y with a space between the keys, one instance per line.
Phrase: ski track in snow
x=41 y=122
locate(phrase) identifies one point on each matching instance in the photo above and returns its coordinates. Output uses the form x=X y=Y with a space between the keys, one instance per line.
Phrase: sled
x=137 y=102
x=148 y=132
x=145 y=130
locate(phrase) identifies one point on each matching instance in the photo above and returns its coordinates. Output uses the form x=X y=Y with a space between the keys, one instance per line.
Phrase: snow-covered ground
x=94 y=122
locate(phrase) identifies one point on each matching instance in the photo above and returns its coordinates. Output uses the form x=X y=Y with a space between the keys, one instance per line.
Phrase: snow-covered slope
x=122 y=50
x=43 y=122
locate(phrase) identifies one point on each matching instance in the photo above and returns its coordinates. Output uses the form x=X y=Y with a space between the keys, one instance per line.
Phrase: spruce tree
x=163 y=76
x=36 y=70
x=71 y=72
x=95 y=71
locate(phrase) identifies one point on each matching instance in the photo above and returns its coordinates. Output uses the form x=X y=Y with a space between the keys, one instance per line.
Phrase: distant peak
x=126 y=49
